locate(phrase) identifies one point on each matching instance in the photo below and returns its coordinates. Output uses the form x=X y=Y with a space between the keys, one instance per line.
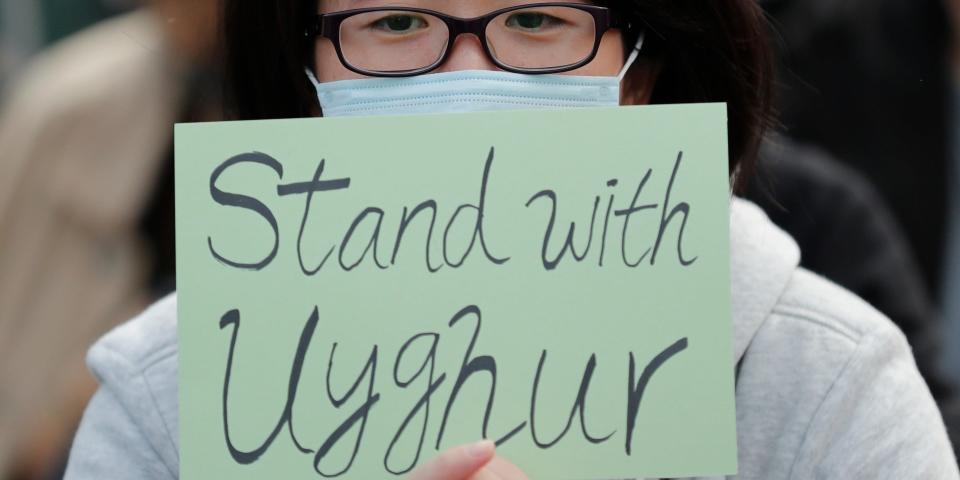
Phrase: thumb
x=458 y=463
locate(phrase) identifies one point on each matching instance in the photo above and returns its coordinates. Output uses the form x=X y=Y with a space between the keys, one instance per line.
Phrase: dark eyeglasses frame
x=328 y=26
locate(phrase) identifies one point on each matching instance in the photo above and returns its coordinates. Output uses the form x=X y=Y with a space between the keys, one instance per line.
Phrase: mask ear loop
x=633 y=56
x=312 y=77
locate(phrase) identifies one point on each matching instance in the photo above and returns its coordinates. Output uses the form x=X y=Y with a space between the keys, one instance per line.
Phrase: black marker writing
x=669 y=213
x=579 y=406
x=636 y=388
x=248 y=203
x=416 y=419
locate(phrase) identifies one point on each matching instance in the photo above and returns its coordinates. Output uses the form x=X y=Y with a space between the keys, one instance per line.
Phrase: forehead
x=457 y=8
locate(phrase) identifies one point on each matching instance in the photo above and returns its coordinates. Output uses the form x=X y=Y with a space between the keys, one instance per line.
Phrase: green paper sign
x=357 y=294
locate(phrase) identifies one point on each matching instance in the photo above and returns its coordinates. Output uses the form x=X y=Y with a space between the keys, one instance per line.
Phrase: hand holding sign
x=358 y=295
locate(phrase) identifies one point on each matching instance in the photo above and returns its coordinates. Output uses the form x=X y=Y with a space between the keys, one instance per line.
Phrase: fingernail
x=480 y=449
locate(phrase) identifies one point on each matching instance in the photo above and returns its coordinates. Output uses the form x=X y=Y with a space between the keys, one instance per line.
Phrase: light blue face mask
x=468 y=91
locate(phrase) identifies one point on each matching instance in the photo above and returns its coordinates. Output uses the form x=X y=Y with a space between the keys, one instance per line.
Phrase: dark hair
x=707 y=51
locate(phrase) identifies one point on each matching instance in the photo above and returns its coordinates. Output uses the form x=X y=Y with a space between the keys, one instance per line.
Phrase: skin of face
x=467 y=52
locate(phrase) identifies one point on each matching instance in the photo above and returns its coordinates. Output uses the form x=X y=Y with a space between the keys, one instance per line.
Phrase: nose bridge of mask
x=467 y=90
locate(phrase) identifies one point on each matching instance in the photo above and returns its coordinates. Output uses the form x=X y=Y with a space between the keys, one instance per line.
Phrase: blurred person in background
x=26 y=26
x=20 y=34
x=86 y=207
x=951 y=288
x=867 y=83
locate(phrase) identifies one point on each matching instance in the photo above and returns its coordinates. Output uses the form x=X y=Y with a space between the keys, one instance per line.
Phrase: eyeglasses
x=536 y=38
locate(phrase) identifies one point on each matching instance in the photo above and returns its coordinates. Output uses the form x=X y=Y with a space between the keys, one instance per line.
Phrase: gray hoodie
x=826 y=386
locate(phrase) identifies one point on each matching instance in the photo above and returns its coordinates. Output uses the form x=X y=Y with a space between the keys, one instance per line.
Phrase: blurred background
x=863 y=170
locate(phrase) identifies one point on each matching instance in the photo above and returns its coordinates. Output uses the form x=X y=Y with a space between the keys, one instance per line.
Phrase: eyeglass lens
x=530 y=38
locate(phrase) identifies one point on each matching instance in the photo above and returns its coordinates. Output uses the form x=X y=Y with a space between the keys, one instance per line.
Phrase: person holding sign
x=824 y=385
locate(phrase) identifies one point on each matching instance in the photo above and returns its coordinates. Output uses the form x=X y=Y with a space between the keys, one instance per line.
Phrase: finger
x=485 y=474
x=458 y=463
x=504 y=469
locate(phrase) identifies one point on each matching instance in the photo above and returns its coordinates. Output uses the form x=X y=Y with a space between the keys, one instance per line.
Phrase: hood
x=763 y=259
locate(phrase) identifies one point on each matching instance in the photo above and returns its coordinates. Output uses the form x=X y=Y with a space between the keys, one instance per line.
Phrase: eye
x=400 y=23
x=532 y=21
